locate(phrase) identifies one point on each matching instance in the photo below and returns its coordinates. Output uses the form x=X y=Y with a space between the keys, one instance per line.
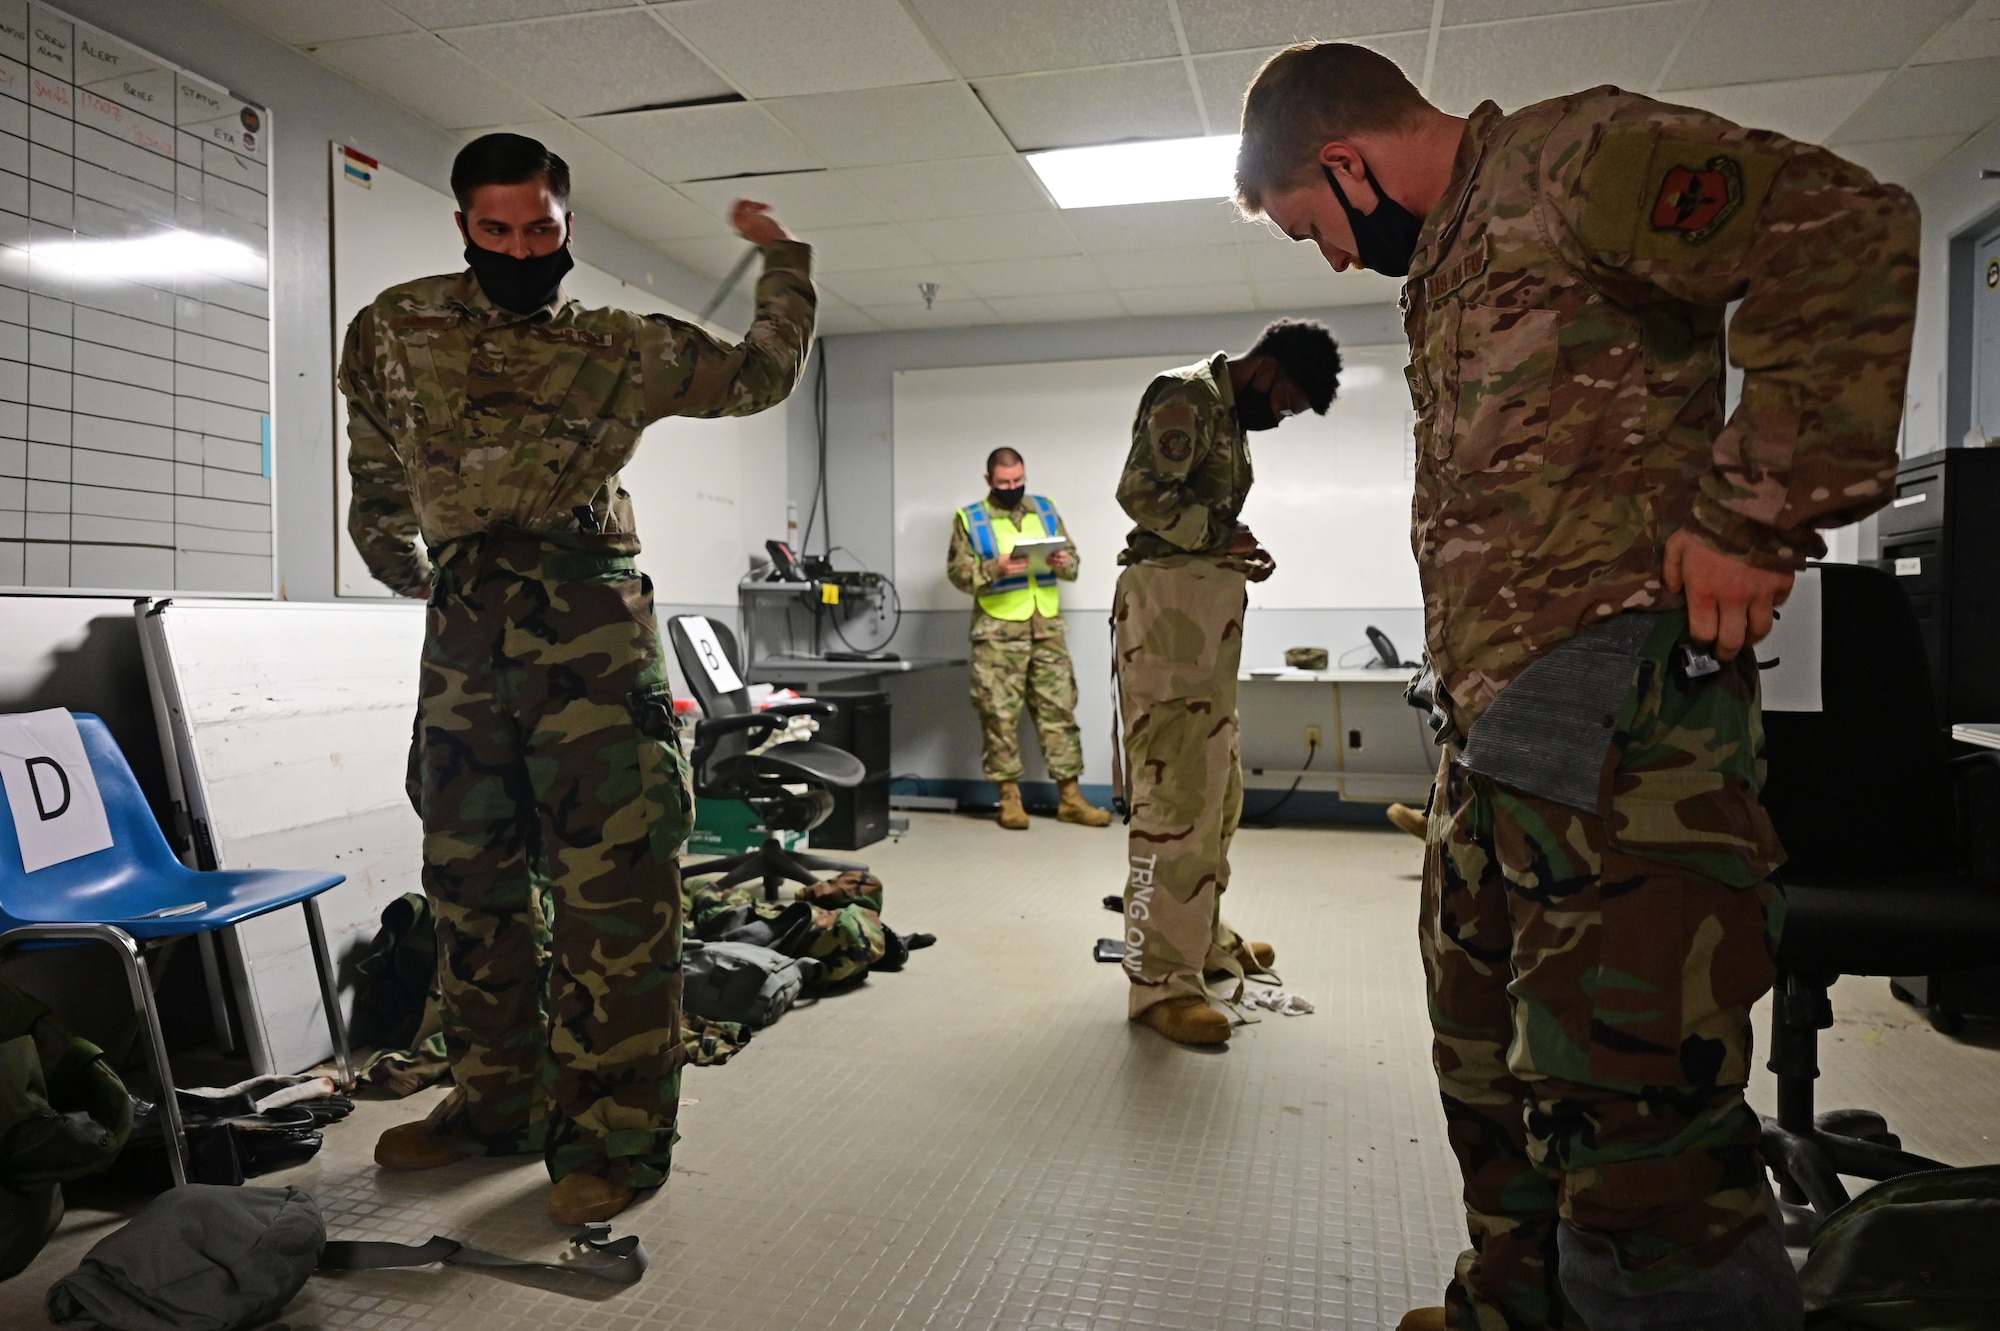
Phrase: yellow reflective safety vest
x=1023 y=595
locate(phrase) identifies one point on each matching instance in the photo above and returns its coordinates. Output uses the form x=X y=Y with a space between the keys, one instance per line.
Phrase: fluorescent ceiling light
x=1153 y=171
x=165 y=254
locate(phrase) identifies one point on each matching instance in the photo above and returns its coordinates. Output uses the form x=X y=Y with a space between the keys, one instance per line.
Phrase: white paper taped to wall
x=1789 y=660
x=714 y=661
x=58 y=812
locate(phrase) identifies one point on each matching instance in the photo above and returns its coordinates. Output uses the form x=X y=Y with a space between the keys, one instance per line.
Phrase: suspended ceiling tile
x=305 y=22
x=1280 y=260
x=1148 y=226
x=1204 y=265
x=984 y=38
x=430 y=78
x=858 y=248
x=710 y=256
x=966 y=187
x=436 y=14
x=945 y=314
x=786 y=48
x=1080 y=106
x=1905 y=161
x=1517 y=64
x=1225 y=78
x=1231 y=25
x=696 y=142
x=651 y=212
x=1779 y=39
x=1924 y=100
x=1029 y=277
x=1486 y=11
x=804 y=201
x=835 y=318
x=1807 y=109
x=1328 y=289
x=1222 y=298
x=892 y=286
x=1066 y=307
x=873 y=126
x=1008 y=236
x=1975 y=35
x=592 y=166
x=593 y=63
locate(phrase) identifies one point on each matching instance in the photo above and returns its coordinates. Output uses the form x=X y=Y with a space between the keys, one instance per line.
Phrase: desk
x=1373 y=747
x=785 y=668
x=1986 y=734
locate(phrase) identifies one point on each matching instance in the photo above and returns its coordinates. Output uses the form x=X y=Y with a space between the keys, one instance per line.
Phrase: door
x=1986 y=338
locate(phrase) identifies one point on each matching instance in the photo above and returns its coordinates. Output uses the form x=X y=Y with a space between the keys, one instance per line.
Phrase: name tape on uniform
x=58 y=812
x=714 y=661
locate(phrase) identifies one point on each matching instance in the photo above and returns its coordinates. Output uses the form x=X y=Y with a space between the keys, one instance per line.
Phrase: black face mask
x=1008 y=498
x=520 y=285
x=1254 y=410
x=1385 y=240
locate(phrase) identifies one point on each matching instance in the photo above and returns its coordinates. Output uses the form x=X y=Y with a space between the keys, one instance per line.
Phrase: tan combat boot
x=410 y=1146
x=582 y=1199
x=1410 y=820
x=1254 y=958
x=1076 y=809
x=1012 y=816
x=1186 y=1020
x=1422 y=1319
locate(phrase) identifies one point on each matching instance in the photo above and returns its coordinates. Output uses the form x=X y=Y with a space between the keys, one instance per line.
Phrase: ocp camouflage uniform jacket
x=464 y=417
x=1565 y=316
x=973 y=576
x=1188 y=473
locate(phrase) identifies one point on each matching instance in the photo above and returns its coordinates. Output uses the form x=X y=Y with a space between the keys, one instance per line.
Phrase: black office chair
x=787 y=784
x=1882 y=831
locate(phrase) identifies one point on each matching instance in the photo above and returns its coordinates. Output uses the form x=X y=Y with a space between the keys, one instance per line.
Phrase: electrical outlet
x=1312 y=737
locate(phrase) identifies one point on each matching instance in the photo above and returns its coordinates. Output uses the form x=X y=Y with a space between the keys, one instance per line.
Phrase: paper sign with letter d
x=51 y=791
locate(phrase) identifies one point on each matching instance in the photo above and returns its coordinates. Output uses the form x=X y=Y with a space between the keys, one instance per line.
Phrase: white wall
x=1957 y=206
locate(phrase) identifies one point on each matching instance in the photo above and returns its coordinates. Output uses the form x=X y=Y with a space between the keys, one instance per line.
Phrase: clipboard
x=1038 y=549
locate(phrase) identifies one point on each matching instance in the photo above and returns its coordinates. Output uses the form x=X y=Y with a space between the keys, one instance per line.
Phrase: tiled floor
x=983 y=1141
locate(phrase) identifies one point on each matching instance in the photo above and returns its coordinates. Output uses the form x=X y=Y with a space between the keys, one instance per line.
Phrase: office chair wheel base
x=1946 y=1021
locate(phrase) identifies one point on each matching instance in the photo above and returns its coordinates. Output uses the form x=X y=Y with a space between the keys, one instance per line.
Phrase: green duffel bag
x=741 y=982
x=1916 y=1253
x=63 y=1114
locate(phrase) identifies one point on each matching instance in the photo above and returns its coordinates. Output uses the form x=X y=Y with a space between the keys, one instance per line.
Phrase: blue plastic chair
x=136 y=891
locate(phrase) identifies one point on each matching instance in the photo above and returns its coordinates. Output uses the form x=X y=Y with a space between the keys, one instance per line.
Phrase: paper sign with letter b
x=714 y=661
x=51 y=791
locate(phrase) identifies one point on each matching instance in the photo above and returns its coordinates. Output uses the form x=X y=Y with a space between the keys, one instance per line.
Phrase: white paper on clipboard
x=1038 y=550
x=708 y=647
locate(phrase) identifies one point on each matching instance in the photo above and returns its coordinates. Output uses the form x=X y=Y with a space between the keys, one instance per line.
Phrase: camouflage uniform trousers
x=1177 y=639
x=1591 y=979
x=555 y=802
x=1007 y=672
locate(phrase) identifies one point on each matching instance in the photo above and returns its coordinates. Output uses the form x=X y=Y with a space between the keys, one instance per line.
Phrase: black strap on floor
x=600 y=1257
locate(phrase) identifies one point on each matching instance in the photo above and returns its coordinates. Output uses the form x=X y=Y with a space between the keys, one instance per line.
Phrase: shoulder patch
x=1695 y=202
x=1175 y=445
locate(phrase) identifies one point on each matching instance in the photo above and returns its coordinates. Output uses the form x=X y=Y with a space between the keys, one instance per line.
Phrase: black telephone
x=784 y=562
x=1386 y=655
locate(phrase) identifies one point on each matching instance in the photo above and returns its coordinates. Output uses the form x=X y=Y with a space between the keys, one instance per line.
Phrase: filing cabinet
x=1941 y=538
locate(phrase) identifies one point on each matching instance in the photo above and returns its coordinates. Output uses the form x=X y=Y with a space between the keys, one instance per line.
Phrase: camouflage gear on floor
x=1591 y=982
x=1006 y=672
x=837 y=923
x=464 y=417
x=1177 y=639
x=555 y=801
x=1565 y=312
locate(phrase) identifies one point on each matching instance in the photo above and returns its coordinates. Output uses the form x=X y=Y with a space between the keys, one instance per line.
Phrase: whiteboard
x=286 y=727
x=1331 y=500
x=705 y=494
x=135 y=419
